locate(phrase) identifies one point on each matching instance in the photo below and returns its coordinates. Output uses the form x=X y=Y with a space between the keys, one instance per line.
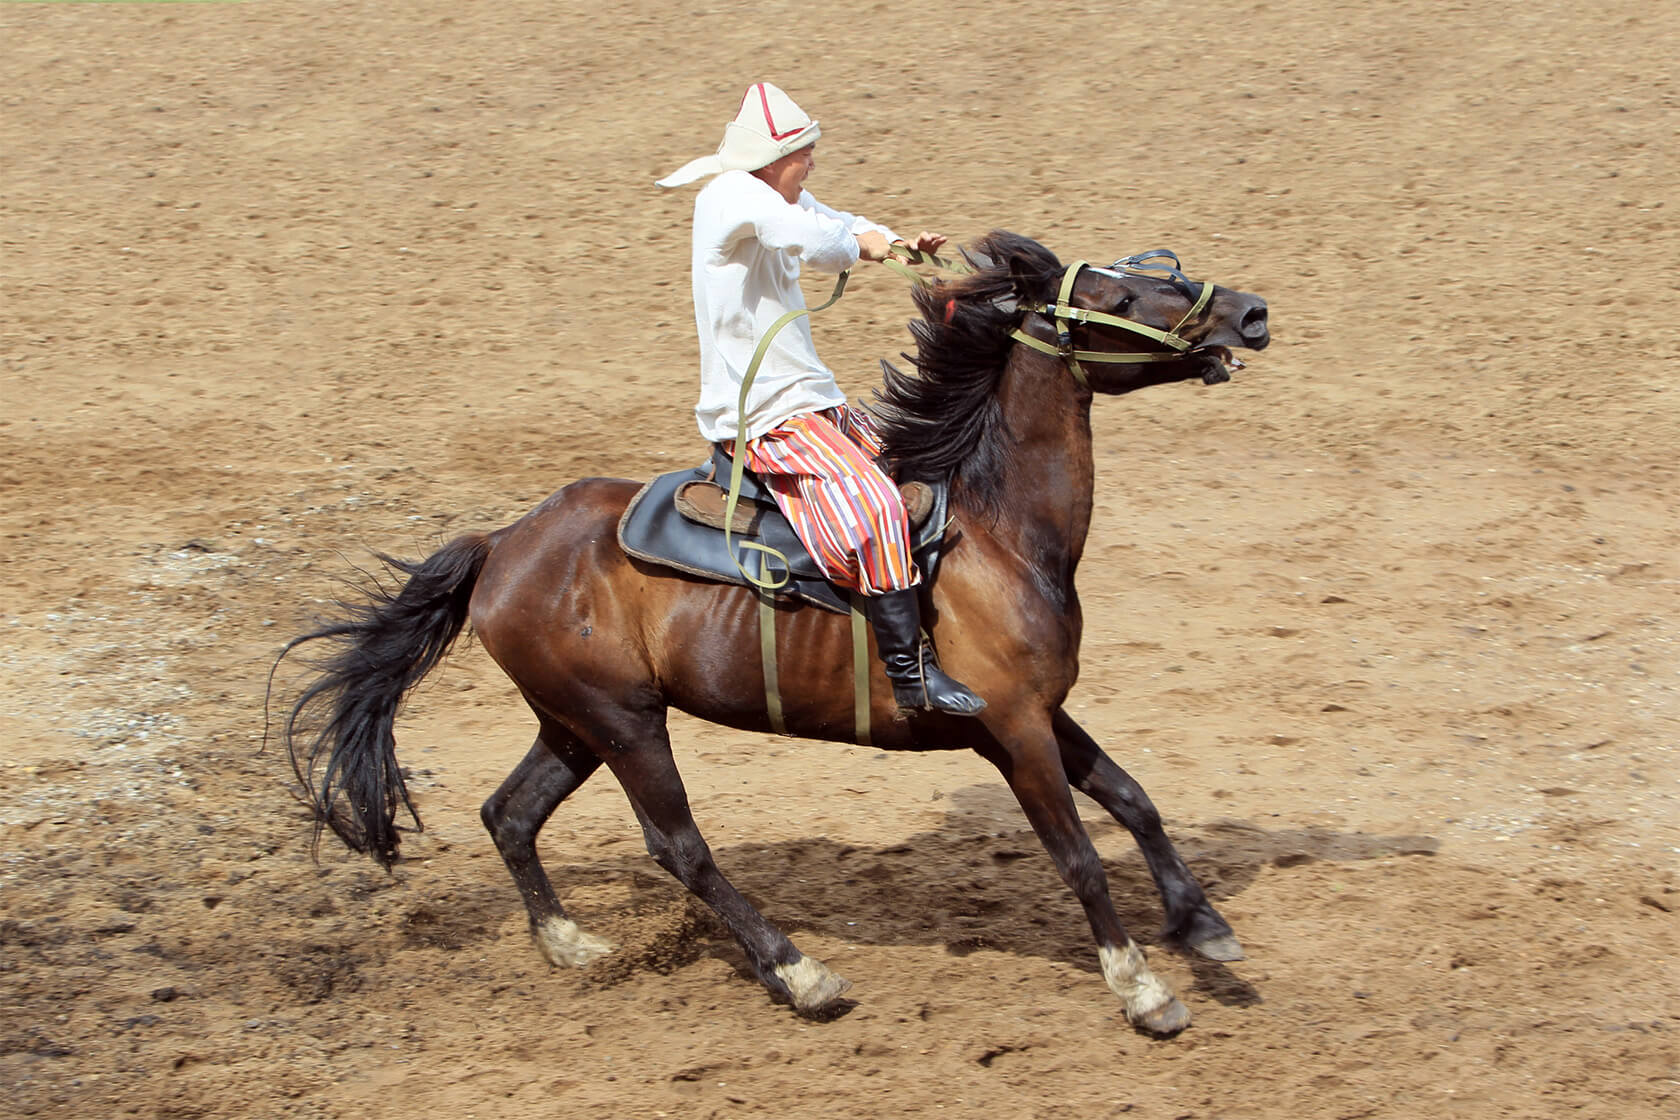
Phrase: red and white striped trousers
x=821 y=468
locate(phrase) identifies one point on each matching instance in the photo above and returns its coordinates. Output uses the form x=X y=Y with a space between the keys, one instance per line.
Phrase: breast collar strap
x=1063 y=315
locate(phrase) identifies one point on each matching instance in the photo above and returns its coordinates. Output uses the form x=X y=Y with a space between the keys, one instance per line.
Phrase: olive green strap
x=1068 y=278
x=737 y=470
x=905 y=271
x=1196 y=309
x=772 y=683
x=901 y=257
x=860 y=671
x=1091 y=355
x=767 y=654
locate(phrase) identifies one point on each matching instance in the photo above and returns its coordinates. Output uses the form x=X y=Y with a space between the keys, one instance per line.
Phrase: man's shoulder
x=735 y=199
x=741 y=184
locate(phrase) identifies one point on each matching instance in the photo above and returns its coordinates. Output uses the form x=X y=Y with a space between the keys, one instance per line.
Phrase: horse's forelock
x=1008 y=267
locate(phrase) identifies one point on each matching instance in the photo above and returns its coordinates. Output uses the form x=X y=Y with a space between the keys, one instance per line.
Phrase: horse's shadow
x=981 y=880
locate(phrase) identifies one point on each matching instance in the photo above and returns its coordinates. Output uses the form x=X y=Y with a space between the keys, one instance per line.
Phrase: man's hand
x=926 y=242
x=872 y=246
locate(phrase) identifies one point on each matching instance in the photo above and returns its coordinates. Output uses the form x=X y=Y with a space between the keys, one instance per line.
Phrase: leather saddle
x=676 y=521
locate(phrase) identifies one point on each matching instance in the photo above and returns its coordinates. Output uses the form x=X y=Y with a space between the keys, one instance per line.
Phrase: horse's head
x=1137 y=322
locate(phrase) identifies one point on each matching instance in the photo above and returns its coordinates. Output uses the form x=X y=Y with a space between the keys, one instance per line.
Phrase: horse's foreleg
x=644 y=766
x=1029 y=761
x=555 y=766
x=1191 y=919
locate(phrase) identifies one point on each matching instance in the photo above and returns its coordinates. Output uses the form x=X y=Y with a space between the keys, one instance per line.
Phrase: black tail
x=340 y=731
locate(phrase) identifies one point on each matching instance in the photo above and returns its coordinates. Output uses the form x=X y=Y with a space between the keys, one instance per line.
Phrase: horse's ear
x=1032 y=267
x=1029 y=277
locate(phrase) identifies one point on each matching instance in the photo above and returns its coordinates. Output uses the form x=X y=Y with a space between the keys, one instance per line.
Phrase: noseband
x=1063 y=315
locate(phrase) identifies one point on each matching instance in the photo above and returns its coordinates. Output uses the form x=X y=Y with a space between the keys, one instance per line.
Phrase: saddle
x=676 y=521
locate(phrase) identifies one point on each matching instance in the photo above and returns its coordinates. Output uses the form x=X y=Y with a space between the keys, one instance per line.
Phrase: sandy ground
x=1387 y=626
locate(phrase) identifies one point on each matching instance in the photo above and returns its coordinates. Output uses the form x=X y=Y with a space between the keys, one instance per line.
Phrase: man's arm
x=743 y=206
x=875 y=241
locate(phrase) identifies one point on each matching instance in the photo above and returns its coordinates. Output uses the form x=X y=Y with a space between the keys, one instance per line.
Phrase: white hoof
x=813 y=987
x=1165 y=1021
x=564 y=944
x=1129 y=978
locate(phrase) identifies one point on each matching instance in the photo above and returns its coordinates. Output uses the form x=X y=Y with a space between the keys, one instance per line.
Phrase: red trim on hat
x=769 y=122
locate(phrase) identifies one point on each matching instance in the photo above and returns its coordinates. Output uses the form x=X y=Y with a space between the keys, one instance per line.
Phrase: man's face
x=788 y=174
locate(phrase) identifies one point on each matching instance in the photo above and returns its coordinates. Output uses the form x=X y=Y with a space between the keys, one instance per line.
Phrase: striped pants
x=821 y=468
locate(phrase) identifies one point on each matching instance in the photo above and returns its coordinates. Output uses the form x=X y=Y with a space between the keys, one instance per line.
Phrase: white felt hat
x=768 y=127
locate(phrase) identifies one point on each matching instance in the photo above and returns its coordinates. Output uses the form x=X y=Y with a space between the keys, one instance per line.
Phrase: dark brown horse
x=602 y=646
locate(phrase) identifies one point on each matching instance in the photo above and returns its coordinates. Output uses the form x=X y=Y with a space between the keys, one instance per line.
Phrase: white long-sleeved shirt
x=749 y=244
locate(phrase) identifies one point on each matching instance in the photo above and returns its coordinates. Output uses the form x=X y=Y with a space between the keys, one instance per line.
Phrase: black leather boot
x=917 y=680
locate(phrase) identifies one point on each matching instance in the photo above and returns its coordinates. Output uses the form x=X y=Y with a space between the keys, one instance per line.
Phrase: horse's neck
x=1047 y=491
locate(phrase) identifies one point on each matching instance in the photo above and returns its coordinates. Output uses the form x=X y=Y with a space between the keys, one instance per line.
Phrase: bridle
x=1063 y=315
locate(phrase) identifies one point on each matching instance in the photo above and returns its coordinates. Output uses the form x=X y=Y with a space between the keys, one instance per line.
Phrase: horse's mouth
x=1217 y=363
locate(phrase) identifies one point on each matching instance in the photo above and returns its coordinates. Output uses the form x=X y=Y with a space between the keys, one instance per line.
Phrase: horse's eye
x=1123 y=306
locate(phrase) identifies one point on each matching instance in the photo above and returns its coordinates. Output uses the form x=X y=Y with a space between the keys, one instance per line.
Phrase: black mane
x=942 y=422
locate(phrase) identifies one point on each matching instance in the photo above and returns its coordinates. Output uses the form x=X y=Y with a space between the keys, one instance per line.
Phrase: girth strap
x=772 y=677
x=860 y=672
x=767 y=652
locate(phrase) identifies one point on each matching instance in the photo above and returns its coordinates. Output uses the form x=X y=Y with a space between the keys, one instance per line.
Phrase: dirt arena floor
x=1387 y=625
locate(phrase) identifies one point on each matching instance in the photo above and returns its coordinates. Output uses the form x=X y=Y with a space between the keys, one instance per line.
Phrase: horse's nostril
x=1254 y=323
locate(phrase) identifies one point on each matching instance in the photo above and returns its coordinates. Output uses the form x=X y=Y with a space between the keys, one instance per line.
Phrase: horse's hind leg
x=643 y=764
x=556 y=765
x=1191 y=919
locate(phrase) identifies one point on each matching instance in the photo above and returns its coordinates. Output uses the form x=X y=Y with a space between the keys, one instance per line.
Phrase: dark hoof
x=1165 y=1021
x=1221 y=948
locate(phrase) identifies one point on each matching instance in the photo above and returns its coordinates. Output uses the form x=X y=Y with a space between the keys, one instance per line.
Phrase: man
x=754 y=226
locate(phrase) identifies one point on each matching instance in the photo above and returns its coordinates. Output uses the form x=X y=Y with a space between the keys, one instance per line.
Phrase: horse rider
x=754 y=226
